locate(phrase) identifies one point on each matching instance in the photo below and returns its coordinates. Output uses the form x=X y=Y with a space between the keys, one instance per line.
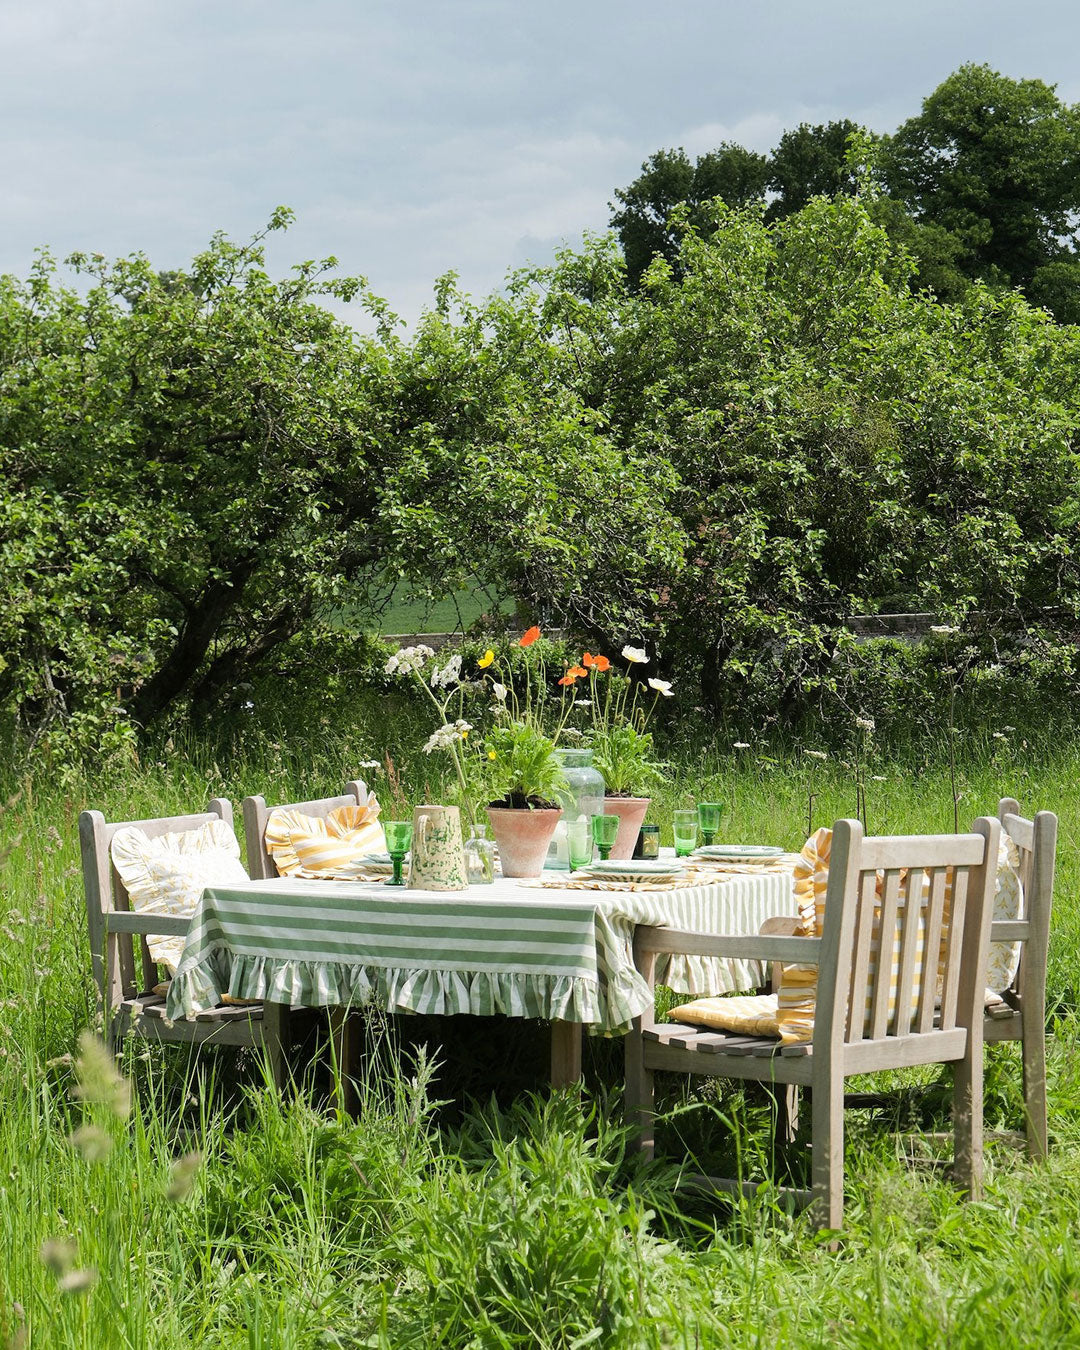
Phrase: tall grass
x=202 y=1210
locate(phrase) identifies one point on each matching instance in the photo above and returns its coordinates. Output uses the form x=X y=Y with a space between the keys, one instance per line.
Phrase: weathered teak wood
x=846 y=1041
x=261 y=868
x=1036 y=841
x=257 y=813
x=565 y=1054
x=115 y=929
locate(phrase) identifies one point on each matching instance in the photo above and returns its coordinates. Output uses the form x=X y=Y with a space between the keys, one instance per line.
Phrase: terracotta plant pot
x=523 y=837
x=631 y=812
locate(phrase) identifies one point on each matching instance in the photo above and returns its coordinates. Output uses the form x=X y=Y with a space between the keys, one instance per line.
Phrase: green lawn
x=214 y=1215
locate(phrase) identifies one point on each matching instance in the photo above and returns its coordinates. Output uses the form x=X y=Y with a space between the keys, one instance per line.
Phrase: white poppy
x=662 y=687
x=499 y=690
x=635 y=655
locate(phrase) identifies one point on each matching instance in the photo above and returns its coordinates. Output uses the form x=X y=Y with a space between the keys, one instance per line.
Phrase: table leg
x=276 y=1035
x=565 y=1054
x=343 y=1039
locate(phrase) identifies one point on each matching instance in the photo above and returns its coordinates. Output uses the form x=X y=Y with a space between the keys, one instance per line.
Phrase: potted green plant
x=524 y=775
x=620 y=739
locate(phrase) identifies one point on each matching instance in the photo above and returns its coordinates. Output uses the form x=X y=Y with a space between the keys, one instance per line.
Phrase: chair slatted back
x=1036 y=843
x=256 y=813
x=114 y=955
x=907 y=919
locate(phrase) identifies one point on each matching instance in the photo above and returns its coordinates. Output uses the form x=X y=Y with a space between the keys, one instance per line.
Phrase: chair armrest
x=744 y=946
x=158 y=925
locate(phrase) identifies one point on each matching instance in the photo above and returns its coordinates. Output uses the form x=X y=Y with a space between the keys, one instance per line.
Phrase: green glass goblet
x=579 y=843
x=684 y=828
x=709 y=816
x=604 y=830
x=398 y=838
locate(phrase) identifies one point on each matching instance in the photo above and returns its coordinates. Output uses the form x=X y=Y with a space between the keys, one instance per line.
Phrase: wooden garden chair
x=262 y=868
x=124 y=971
x=1021 y=1015
x=855 y=1032
x=257 y=813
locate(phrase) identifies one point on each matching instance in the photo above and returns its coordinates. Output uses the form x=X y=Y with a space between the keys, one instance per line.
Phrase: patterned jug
x=438 y=855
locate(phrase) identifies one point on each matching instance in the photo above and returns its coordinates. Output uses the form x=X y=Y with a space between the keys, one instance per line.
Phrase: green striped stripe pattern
x=507 y=948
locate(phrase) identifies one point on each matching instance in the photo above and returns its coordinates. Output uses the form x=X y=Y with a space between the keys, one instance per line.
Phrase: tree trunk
x=201 y=626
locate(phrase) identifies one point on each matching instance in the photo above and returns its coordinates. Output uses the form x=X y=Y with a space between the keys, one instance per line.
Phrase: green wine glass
x=398 y=838
x=604 y=831
x=685 y=828
x=709 y=815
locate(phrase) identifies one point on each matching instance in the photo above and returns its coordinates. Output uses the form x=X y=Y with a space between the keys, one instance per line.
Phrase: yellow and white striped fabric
x=798 y=984
x=797 y=995
x=752 y=1014
x=329 y=848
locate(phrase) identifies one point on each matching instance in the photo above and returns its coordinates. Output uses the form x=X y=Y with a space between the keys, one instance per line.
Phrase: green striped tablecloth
x=507 y=948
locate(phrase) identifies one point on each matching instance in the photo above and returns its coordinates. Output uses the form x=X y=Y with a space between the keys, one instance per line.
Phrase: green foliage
x=647 y=221
x=198 y=467
x=983 y=184
x=841 y=446
x=996 y=163
x=626 y=758
x=813 y=161
x=524 y=770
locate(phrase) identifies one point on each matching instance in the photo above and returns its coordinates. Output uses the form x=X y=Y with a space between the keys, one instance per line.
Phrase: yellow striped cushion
x=330 y=847
x=752 y=1014
x=797 y=994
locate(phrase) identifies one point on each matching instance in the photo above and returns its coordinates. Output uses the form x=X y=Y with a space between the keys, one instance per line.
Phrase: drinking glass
x=709 y=815
x=398 y=838
x=685 y=827
x=604 y=830
x=580 y=843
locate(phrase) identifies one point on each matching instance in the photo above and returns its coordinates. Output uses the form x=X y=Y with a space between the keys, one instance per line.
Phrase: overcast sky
x=415 y=136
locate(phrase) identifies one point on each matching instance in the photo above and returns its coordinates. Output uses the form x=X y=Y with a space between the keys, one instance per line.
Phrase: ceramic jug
x=438 y=855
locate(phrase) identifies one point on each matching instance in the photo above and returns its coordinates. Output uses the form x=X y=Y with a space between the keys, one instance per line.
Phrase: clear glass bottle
x=583 y=796
x=479 y=857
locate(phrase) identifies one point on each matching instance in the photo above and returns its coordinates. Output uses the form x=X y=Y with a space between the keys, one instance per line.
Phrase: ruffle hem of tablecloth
x=321 y=984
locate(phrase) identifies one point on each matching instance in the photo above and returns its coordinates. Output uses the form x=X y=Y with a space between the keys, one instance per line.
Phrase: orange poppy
x=529 y=636
x=568 y=678
x=578 y=672
x=602 y=664
x=588 y=659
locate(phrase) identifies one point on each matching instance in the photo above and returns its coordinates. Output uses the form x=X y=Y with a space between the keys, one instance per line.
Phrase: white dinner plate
x=638 y=867
x=740 y=852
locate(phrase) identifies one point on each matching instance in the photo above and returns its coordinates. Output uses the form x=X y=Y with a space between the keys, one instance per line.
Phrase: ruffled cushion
x=331 y=847
x=752 y=1014
x=166 y=874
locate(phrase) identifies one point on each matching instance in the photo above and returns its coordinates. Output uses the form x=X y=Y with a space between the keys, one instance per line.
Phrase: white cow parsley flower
x=446 y=735
x=816 y=754
x=407 y=659
x=448 y=675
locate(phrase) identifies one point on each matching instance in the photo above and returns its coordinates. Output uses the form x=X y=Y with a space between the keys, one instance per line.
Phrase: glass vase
x=581 y=799
x=479 y=857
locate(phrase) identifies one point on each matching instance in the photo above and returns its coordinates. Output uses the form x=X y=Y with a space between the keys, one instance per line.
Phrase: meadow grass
x=196 y=1208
